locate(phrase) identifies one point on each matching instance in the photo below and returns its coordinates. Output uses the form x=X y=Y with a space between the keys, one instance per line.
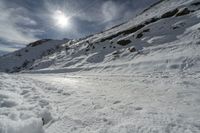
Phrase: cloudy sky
x=25 y=21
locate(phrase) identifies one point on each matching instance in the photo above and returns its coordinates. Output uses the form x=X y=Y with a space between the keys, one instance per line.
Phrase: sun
x=61 y=19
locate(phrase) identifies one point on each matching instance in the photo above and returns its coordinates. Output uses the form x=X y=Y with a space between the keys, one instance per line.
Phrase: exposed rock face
x=124 y=42
x=182 y=12
x=170 y=13
x=39 y=42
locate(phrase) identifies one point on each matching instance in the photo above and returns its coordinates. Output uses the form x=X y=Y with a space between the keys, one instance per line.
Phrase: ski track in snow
x=142 y=103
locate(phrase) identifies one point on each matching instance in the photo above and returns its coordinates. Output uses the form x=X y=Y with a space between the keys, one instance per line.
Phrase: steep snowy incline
x=166 y=36
x=167 y=39
x=24 y=58
x=146 y=103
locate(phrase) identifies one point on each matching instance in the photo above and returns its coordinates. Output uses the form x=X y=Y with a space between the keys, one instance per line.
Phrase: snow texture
x=139 y=77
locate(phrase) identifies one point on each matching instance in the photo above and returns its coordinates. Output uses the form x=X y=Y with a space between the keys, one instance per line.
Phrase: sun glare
x=61 y=19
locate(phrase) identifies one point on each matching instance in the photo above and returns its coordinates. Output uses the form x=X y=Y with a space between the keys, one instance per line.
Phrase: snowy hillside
x=142 y=76
x=24 y=58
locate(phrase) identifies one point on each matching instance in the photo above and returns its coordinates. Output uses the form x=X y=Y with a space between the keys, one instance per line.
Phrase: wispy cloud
x=110 y=11
x=7 y=49
x=14 y=27
x=24 y=21
x=88 y=17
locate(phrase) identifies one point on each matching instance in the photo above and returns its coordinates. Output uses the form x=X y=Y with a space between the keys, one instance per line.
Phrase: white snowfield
x=140 y=77
x=146 y=102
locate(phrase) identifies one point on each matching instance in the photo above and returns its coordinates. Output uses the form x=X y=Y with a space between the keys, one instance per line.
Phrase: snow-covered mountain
x=25 y=57
x=164 y=36
x=142 y=76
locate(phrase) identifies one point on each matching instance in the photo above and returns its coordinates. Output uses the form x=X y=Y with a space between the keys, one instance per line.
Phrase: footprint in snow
x=7 y=103
x=24 y=92
x=116 y=102
x=138 y=108
x=66 y=94
x=60 y=91
x=43 y=103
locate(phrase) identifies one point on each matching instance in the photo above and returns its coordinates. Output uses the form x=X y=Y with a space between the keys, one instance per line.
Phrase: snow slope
x=165 y=37
x=23 y=58
x=139 y=77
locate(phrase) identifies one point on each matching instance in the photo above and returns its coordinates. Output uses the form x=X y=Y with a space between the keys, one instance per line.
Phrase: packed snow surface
x=145 y=102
